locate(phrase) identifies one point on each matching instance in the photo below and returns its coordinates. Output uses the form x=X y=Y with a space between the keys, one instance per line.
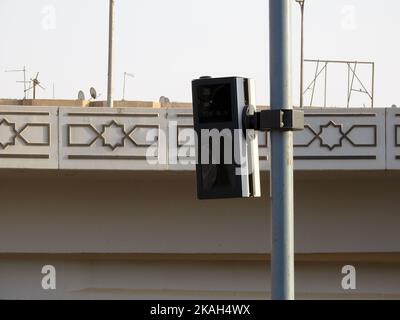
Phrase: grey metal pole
x=110 y=100
x=302 y=55
x=373 y=86
x=282 y=262
x=123 y=93
x=24 y=70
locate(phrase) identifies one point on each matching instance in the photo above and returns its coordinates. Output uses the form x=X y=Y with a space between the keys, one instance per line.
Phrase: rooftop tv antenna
x=23 y=70
x=126 y=74
x=35 y=83
x=366 y=87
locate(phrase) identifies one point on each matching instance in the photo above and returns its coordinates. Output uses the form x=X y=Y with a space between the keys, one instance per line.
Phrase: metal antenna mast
x=23 y=70
x=110 y=100
x=301 y=3
x=126 y=74
x=35 y=83
x=354 y=79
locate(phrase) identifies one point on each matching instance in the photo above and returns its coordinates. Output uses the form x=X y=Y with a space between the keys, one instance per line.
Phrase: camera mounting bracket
x=267 y=120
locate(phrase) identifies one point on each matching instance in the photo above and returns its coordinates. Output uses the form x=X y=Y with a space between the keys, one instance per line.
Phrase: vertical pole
x=373 y=85
x=326 y=82
x=282 y=262
x=24 y=70
x=110 y=101
x=123 y=94
x=302 y=56
x=348 y=84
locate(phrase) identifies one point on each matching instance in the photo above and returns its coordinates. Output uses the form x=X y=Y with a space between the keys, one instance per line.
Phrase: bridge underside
x=136 y=234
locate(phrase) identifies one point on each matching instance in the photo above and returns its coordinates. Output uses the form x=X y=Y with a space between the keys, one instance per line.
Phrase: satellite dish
x=164 y=100
x=93 y=93
x=81 y=95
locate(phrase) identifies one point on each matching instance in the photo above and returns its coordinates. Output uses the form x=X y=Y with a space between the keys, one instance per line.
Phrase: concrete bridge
x=107 y=196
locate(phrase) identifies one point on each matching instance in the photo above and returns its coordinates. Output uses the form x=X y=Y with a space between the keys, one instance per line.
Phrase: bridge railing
x=163 y=139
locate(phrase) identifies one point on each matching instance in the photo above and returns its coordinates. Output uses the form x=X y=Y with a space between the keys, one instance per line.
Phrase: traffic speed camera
x=227 y=157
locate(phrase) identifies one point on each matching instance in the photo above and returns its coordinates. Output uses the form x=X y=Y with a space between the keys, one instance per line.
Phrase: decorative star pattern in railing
x=163 y=139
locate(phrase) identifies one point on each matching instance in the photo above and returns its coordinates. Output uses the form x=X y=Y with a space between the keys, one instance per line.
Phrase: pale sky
x=167 y=43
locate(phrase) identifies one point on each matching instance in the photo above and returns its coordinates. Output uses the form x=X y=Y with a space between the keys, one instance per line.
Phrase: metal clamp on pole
x=266 y=120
